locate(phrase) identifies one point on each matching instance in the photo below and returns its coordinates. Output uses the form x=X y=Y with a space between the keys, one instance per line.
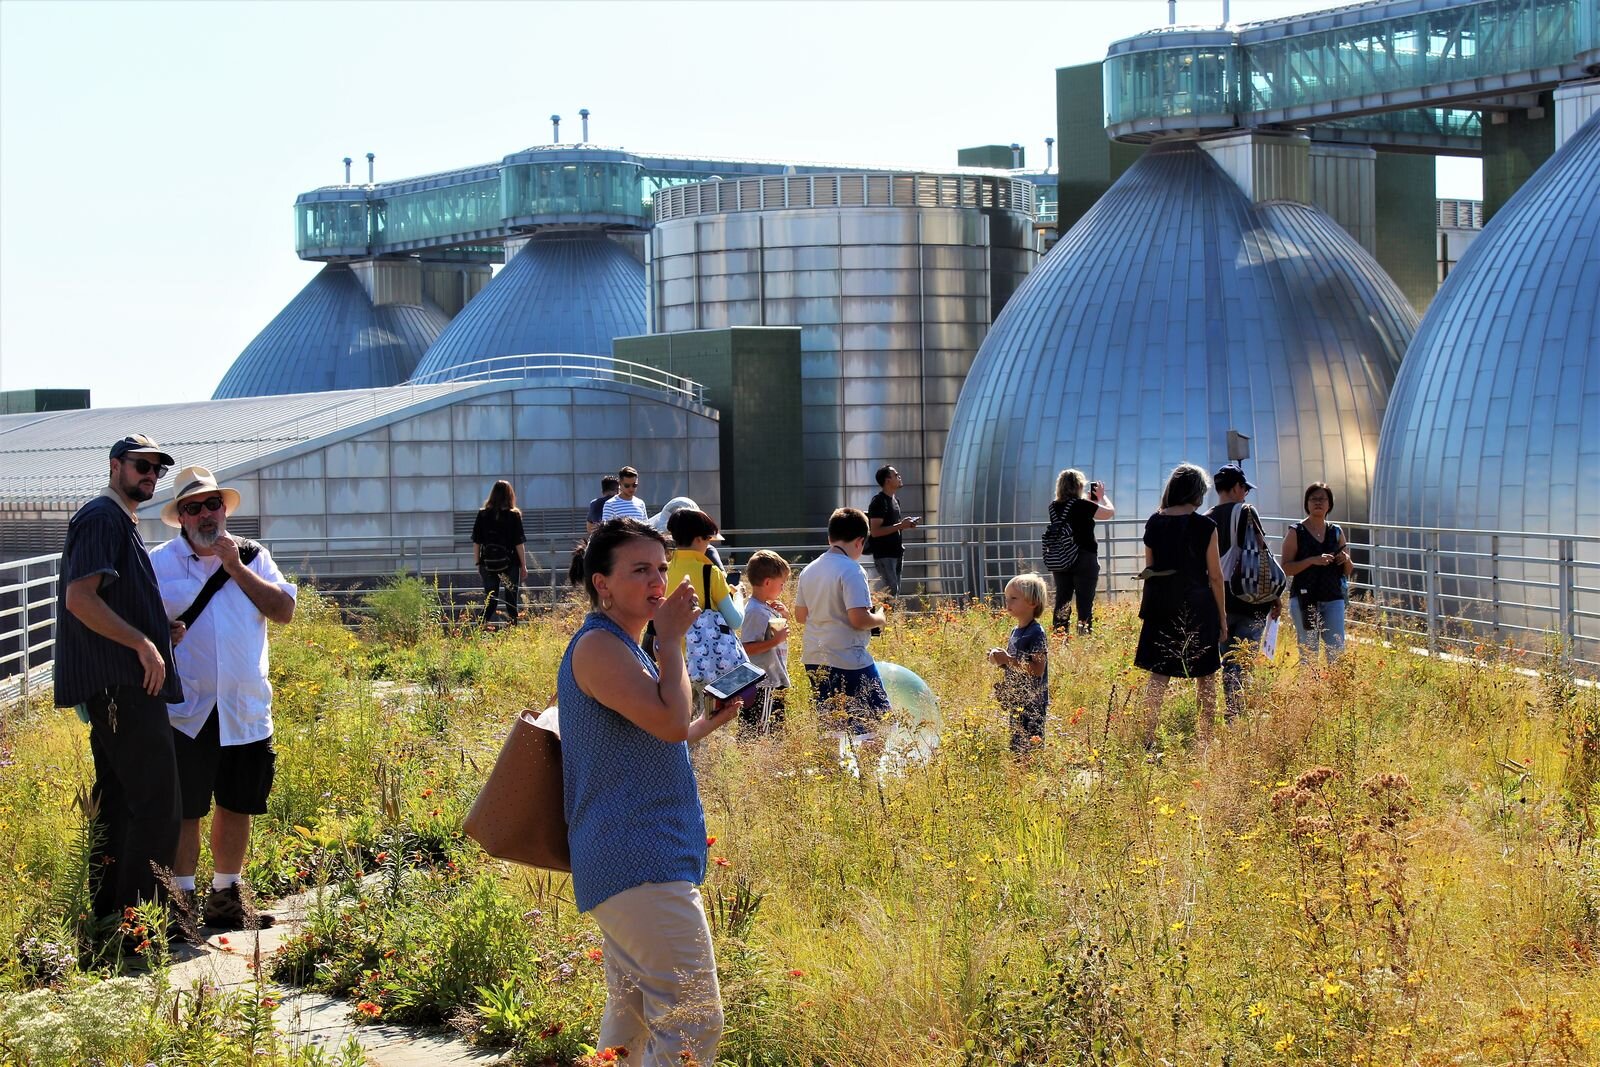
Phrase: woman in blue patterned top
x=635 y=824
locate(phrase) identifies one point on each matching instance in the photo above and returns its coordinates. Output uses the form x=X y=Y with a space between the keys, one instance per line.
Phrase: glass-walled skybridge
x=468 y=213
x=1400 y=72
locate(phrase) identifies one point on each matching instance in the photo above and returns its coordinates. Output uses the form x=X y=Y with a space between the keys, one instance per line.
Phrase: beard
x=203 y=538
x=136 y=491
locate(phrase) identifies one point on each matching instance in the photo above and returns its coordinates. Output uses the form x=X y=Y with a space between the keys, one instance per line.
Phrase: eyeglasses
x=144 y=466
x=194 y=507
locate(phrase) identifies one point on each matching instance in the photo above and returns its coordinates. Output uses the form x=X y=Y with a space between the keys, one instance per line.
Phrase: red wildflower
x=268 y=1002
x=797 y=973
x=369 y=1009
x=710 y=840
x=427 y=792
x=722 y=861
x=383 y=857
x=607 y=1055
x=550 y=1031
x=596 y=955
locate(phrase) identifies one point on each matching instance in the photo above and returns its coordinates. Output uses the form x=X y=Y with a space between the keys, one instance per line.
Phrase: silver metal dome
x=330 y=336
x=1174 y=311
x=561 y=293
x=1494 y=423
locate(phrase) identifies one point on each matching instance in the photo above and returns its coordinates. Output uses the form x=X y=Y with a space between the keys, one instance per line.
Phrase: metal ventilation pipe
x=1225 y=18
x=370 y=158
x=583 y=113
x=1172 y=12
x=1049 y=153
x=1016 y=156
x=555 y=124
x=347 y=170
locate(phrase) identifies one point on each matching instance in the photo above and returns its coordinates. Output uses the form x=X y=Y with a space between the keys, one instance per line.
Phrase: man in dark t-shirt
x=114 y=662
x=597 y=506
x=884 y=519
x=1246 y=622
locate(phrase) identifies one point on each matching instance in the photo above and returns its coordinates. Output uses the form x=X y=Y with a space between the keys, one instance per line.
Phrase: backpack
x=710 y=648
x=496 y=559
x=1249 y=570
x=1060 y=547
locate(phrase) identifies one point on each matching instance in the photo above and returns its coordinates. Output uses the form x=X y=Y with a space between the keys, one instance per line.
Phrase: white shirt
x=222 y=659
x=618 y=508
x=828 y=588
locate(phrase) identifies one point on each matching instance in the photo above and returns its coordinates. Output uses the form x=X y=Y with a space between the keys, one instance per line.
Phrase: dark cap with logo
x=1230 y=476
x=137 y=444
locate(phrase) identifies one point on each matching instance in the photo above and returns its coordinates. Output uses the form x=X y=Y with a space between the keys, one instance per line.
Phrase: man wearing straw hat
x=114 y=663
x=222 y=731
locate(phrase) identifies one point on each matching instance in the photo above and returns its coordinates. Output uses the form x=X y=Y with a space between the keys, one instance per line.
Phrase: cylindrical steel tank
x=563 y=292
x=1495 y=419
x=893 y=279
x=1174 y=311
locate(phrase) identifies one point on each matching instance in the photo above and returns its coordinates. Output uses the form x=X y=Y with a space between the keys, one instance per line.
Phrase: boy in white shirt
x=765 y=634
x=834 y=604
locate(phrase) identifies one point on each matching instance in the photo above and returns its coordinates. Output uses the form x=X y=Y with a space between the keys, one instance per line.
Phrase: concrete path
x=229 y=962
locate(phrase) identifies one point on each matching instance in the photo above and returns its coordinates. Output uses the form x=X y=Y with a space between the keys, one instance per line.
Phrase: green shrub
x=401 y=610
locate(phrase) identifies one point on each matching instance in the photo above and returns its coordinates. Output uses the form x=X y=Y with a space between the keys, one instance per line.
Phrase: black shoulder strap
x=248 y=551
x=705 y=578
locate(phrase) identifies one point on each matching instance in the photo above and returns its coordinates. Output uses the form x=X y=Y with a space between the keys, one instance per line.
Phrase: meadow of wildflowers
x=1390 y=860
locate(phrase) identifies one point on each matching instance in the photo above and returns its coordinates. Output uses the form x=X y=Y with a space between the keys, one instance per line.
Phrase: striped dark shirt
x=102 y=539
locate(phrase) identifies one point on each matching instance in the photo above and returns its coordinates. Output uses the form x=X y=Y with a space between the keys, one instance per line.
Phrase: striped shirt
x=618 y=508
x=103 y=539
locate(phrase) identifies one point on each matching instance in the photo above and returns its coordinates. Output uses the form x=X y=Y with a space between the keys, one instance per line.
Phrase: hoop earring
x=605 y=605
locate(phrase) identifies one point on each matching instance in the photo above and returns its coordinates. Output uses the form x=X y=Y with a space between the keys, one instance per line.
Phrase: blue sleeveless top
x=633 y=809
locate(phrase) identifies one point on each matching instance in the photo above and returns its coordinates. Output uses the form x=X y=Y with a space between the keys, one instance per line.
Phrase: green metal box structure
x=30 y=401
x=752 y=377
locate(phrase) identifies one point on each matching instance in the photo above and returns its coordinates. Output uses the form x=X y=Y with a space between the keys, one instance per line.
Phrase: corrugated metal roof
x=559 y=294
x=58 y=458
x=330 y=336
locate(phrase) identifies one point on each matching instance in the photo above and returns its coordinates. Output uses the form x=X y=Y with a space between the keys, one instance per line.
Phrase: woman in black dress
x=1184 y=612
x=498 y=548
x=1078 y=581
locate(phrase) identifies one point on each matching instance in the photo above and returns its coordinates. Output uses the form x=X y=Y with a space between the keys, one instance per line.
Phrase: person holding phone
x=1078 y=582
x=884 y=526
x=1316 y=558
x=634 y=818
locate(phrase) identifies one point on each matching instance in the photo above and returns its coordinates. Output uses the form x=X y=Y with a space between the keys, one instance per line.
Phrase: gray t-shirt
x=828 y=588
x=775 y=660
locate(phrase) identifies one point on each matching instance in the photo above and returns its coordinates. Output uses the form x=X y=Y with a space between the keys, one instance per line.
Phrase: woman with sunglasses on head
x=634 y=818
x=1316 y=558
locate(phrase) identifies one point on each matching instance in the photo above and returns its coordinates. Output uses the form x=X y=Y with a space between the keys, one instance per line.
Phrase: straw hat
x=196 y=481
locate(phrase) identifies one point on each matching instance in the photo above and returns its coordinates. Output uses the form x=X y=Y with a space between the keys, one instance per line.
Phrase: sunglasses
x=144 y=466
x=194 y=507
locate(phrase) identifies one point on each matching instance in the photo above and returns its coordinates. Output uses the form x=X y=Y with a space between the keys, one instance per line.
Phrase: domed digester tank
x=1174 y=311
x=331 y=336
x=1494 y=423
x=561 y=293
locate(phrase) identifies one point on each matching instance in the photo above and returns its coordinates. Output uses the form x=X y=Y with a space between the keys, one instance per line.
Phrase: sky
x=150 y=153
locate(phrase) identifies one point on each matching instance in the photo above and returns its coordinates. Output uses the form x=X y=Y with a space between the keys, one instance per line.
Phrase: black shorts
x=239 y=776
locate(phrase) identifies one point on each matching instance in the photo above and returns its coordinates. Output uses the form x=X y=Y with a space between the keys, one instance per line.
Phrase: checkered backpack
x=1248 y=569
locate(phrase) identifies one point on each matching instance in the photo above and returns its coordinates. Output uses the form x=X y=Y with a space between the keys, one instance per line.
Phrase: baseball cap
x=1230 y=475
x=137 y=444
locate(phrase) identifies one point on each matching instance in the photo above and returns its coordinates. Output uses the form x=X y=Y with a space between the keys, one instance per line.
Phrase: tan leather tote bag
x=518 y=815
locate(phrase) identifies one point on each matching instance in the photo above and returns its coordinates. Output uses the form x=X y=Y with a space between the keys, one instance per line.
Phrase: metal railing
x=1444 y=588
x=567 y=365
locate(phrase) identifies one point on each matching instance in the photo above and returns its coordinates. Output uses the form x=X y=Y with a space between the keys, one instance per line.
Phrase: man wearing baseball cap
x=222 y=730
x=114 y=661
x=1246 y=622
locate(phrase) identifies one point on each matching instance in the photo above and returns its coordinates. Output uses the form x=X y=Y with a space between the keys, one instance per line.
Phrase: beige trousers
x=662 y=997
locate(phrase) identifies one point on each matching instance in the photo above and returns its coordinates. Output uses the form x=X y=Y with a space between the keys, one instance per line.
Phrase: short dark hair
x=1185 y=485
x=609 y=484
x=600 y=554
x=1314 y=487
x=626 y=472
x=884 y=472
x=687 y=524
x=848 y=524
x=763 y=565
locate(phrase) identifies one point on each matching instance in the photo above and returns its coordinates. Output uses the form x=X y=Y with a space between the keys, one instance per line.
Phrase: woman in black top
x=1079 y=580
x=1185 y=616
x=1316 y=558
x=498 y=549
